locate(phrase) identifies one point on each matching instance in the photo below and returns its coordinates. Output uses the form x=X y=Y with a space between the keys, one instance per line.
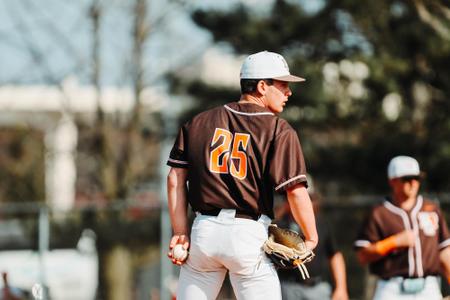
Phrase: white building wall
x=61 y=133
x=60 y=169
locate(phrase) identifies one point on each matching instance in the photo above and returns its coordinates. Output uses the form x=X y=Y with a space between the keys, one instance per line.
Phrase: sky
x=52 y=40
x=46 y=43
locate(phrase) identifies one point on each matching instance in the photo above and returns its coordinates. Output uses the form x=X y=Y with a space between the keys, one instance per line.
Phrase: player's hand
x=178 y=239
x=311 y=245
x=405 y=239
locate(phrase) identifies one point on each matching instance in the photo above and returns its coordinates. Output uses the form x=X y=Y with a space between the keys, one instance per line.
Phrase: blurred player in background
x=405 y=240
x=226 y=163
x=328 y=258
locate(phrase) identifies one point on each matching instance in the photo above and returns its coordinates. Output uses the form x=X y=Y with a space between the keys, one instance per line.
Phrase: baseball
x=179 y=253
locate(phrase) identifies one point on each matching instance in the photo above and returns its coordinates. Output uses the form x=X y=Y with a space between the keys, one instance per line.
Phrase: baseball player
x=226 y=163
x=405 y=240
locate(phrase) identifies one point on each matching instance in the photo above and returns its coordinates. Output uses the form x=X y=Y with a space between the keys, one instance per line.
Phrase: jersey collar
x=248 y=109
x=390 y=204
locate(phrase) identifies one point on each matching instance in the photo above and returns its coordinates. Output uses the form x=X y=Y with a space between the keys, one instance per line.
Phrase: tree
x=121 y=144
x=376 y=83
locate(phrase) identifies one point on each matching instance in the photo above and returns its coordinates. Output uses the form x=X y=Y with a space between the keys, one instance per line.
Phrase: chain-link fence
x=114 y=251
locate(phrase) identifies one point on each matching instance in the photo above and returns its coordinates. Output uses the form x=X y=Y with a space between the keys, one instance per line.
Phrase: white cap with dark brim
x=267 y=65
x=402 y=166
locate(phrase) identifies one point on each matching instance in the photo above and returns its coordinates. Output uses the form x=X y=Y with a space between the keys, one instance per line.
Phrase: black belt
x=239 y=214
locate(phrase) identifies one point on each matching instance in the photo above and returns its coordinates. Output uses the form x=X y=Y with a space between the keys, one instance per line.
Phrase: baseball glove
x=287 y=249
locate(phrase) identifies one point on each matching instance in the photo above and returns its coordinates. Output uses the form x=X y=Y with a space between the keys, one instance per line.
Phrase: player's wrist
x=385 y=246
x=311 y=244
x=179 y=238
x=179 y=233
x=340 y=293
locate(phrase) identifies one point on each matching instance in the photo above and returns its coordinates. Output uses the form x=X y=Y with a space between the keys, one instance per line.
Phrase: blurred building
x=52 y=110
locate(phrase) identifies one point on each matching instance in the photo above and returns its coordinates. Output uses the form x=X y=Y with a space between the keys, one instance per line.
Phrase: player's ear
x=261 y=87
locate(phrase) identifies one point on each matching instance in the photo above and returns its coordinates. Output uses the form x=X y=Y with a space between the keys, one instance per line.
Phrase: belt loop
x=226 y=214
x=265 y=220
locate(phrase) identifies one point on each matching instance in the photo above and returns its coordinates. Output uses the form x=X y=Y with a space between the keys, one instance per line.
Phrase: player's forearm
x=303 y=213
x=177 y=200
x=337 y=266
x=376 y=251
x=444 y=257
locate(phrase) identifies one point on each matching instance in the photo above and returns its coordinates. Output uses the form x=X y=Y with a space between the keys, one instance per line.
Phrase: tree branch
x=431 y=20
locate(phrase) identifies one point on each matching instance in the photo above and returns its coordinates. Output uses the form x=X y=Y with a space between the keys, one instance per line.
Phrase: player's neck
x=247 y=98
x=404 y=201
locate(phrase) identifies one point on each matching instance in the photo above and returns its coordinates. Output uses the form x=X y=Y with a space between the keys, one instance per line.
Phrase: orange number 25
x=232 y=150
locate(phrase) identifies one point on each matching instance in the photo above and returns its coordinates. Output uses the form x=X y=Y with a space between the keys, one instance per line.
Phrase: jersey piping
x=444 y=244
x=394 y=209
x=362 y=243
x=248 y=114
x=418 y=245
x=412 y=261
x=288 y=181
x=182 y=162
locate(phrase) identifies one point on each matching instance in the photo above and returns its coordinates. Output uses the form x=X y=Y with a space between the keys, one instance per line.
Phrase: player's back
x=229 y=150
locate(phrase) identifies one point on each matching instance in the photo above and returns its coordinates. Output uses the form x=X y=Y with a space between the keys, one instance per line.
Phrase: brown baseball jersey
x=425 y=219
x=237 y=155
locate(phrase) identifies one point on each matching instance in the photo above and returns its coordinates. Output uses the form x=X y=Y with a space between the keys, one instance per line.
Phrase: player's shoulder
x=283 y=123
x=206 y=114
x=380 y=207
x=430 y=204
x=210 y=111
x=283 y=126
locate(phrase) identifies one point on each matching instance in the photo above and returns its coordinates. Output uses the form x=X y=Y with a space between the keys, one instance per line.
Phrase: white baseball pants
x=225 y=243
x=391 y=289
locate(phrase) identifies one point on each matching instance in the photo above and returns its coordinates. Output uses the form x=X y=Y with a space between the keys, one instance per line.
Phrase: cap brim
x=422 y=175
x=289 y=78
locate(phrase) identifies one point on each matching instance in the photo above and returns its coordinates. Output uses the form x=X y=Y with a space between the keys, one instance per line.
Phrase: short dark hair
x=410 y=177
x=249 y=85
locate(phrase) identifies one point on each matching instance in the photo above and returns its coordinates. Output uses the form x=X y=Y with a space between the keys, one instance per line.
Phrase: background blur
x=92 y=93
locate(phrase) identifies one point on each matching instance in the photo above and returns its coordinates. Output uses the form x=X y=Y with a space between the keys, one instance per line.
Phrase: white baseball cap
x=267 y=65
x=401 y=166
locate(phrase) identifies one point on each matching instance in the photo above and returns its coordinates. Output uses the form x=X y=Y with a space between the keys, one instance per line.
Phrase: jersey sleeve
x=178 y=157
x=444 y=234
x=369 y=232
x=288 y=165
